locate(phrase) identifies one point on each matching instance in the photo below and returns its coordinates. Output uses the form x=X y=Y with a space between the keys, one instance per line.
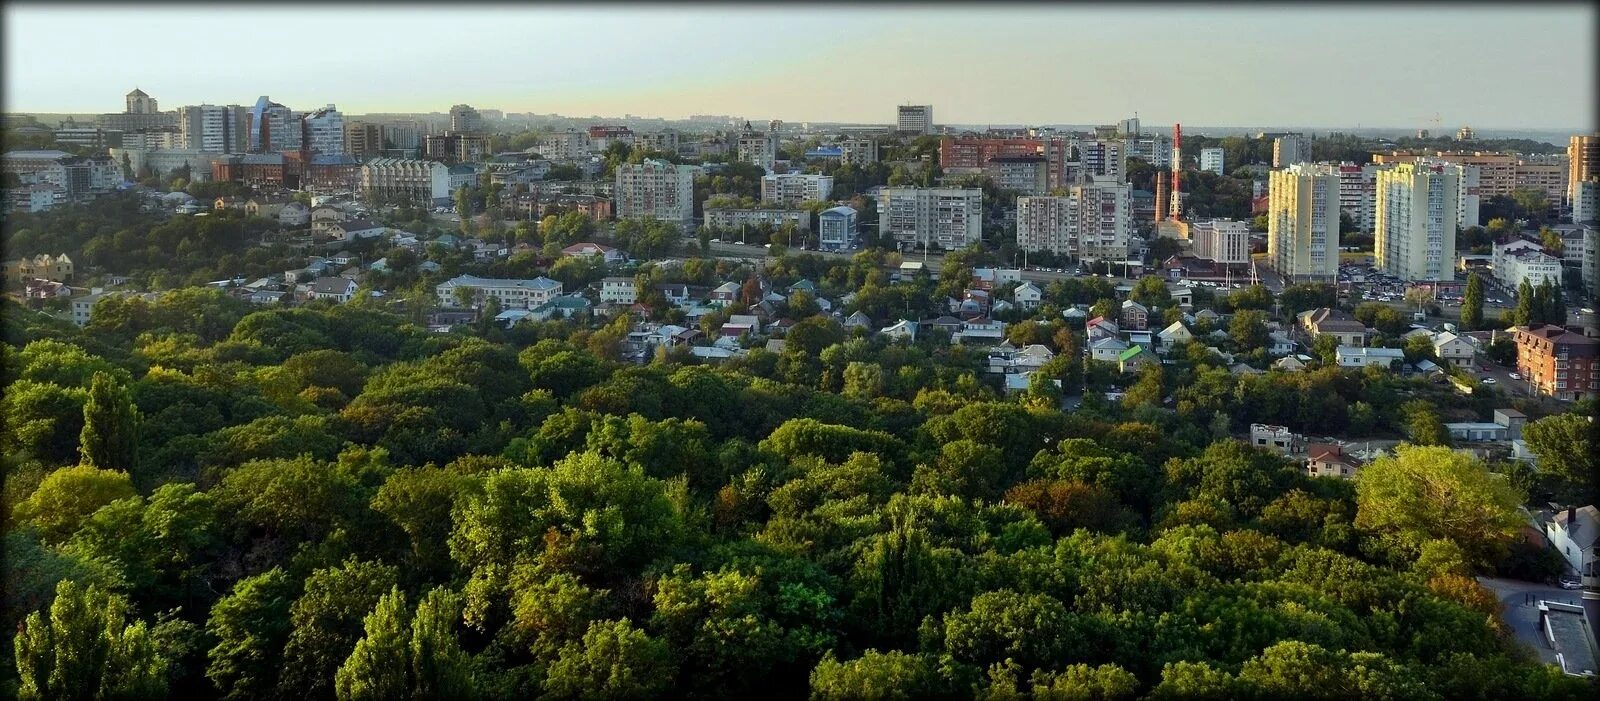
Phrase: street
x=1519 y=609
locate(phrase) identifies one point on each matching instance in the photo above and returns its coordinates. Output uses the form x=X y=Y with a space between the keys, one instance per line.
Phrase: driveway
x=1519 y=601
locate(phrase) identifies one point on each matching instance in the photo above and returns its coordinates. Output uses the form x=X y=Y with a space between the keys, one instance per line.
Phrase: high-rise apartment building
x=1585 y=201
x=1155 y=149
x=1129 y=127
x=1225 y=241
x=971 y=154
x=565 y=146
x=1583 y=162
x=1415 y=221
x=214 y=128
x=273 y=128
x=1211 y=159
x=1026 y=175
x=363 y=139
x=795 y=188
x=916 y=119
x=140 y=103
x=1549 y=179
x=858 y=152
x=323 y=132
x=759 y=147
x=1102 y=158
x=1358 y=188
x=657 y=189
x=1303 y=222
x=1093 y=220
x=465 y=120
x=1290 y=149
x=949 y=218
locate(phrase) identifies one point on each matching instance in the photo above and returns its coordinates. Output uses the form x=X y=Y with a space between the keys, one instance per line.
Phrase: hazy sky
x=1233 y=65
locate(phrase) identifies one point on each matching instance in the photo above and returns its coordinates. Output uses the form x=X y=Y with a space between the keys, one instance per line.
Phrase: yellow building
x=1414 y=223
x=1303 y=222
x=46 y=266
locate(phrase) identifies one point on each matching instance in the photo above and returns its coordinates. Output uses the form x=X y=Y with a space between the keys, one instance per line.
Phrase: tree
x=1421 y=494
x=1423 y=425
x=109 y=425
x=1248 y=329
x=881 y=676
x=86 y=649
x=328 y=622
x=67 y=497
x=377 y=668
x=1525 y=312
x=613 y=661
x=251 y=626
x=1472 y=304
x=1563 y=446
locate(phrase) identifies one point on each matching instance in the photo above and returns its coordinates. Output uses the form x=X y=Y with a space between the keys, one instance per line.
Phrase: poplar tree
x=109 y=424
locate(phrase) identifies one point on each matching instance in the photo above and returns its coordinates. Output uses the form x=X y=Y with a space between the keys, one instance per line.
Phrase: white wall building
x=1290 y=149
x=324 y=131
x=775 y=217
x=917 y=119
x=618 y=290
x=656 y=189
x=858 y=151
x=565 y=146
x=409 y=180
x=836 y=228
x=1211 y=159
x=758 y=147
x=513 y=294
x=1415 y=221
x=795 y=188
x=1358 y=188
x=1222 y=240
x=1102 y=158
x=1530 y=264
x=213 y=128
x=1093 y=220
x=950 y=218
x=1153 y=149
x=1303 y=222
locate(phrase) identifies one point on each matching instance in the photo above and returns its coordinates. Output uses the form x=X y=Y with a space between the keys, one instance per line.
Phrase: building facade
x=795 y=188
x=1415 y=221
x=656 y=189
x=1303 y=222
x=1583 y=162
x=1093 y=221
x=214 y=128
x=1358 y=190
x=1025 y=175
x=513 y=294
x=949 y=218
x=1290 y=149
x=405 y=180
x=1102 y=158
x=465 y=120
x=1211 y=159
x=858 y=151
x=272 y=128
x=735 y=218
x=323 y=132
x=1558 y=362
x=363 y=139
x=836 y=228
x=759 y=147
x=1225 y=241
x=914 y=119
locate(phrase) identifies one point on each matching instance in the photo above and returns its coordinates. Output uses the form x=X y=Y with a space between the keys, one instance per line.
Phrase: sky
x=1359 y=65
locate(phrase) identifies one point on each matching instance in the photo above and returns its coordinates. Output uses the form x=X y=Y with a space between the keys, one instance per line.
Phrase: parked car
x=1570 y=582
x=1515 y=376
x=1488 y=380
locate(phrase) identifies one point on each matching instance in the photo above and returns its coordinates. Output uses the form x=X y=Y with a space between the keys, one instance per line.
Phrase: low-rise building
x=1330 y=460
x=795 y=188
x=1278 y=439
x=1558 y=362
x=618 y=290
x=338 y=289
x=836 y=228
x=1574 y=532
x=736 y=218
x=1387 y=358
x=1459 y=351
x=512 y=294
x=1134 y=316
x=582 y=250
x=1336 y=323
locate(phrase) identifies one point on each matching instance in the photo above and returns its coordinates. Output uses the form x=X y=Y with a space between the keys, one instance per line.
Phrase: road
x=1519 y=609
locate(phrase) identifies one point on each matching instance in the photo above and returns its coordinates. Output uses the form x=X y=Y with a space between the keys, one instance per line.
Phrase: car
x=1488 y=380
x=1515 y=376
x=1571 y=583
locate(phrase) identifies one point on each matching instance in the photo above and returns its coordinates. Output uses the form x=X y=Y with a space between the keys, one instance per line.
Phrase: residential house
x=356 y=229
x=268 y=206
x=1134 y=316
x=1558 y=362
x=903 y=330
x=1507 y=426
x=1101 y=327
x=324 y=217
x=725 y=294
x=559 y=307
x=618 y=290
x=294 y=215
x=1279 y=344
x=1276 y=438
x=1458 y=351
x=1573 y=533
x=982 y=330
x=1134 y=359
x=1107 y=350
x=1387 y=358
x=338 y=289
x=1336 y=323
x=228 y=202
x=1032 y=357
x=1330 y=460
x=1175 y=334
x=608 y=254
x=858 y=320
x=1292 y=363
x=1027 y=295
x=676 y=293
x=741 y=325
x=948 y=324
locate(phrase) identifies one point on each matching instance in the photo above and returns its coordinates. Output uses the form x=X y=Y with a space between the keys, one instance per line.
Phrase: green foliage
x=68 y=497
x=614 y=660
x=1432 y=493
x=87 y=649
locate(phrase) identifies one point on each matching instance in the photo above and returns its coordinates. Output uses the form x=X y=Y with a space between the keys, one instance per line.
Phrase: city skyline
x=674 y=62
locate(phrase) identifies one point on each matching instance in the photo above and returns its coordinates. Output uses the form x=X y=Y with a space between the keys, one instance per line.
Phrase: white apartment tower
x=656 y=189
x=1102 y=158
x=795 y=188
x=214 y=128
x=1415 y=222
x=1290 y=149
x=759 y=148
x=324 y=131
x=1303 y=222
x=465 y=120
x=950 y=218
x=405 y=180
x=1211 y=159
x=141 y=103
x=916 y=119
x=1093 y=220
